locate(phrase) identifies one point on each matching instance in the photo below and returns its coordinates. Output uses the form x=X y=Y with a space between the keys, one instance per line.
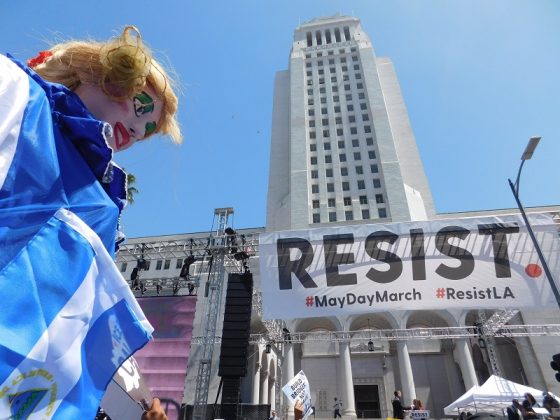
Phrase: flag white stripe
x=14 y=95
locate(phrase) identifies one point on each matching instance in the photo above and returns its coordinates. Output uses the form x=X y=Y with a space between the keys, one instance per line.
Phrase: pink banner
x=163 y=362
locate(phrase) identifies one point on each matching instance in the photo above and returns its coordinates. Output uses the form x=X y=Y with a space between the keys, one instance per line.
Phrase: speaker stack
x=235 y=335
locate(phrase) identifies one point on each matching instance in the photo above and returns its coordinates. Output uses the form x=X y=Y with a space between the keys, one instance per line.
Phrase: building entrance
x=367 y=401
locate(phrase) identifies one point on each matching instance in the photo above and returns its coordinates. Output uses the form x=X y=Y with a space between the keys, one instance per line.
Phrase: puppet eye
x=143 y=104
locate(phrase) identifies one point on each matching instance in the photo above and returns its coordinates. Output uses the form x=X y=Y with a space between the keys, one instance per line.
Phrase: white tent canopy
x=493 y=396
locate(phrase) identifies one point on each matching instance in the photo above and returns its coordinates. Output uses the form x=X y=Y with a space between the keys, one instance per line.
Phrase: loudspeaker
x=237 y=325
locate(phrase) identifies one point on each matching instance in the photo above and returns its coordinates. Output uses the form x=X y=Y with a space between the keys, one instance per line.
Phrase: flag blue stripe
x=36 y=290
x=98 y=365
x=27 y=184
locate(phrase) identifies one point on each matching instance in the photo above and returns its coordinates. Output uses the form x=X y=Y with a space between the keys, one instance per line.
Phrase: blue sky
x=478 y=77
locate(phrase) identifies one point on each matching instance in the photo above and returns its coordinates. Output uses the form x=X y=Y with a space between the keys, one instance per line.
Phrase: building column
x=463 y=356
x=256 y=383
x=347 y=397
x=288 y=367
x=264 y=387
x=272 y=394
x=405 y=368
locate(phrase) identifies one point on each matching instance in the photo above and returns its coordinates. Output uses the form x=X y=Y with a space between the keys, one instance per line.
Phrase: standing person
x=398 y=407
x=273 y=416
x=514 y=410
x=527 y=411
x=337 y=406
x=417 y=405
x=529 y=397
x=61 y=119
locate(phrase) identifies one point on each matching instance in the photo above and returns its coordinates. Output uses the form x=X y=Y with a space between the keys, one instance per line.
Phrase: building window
x=355 y=143
x=379 y=198
x=309 y=82
x=333 y=79
x=376 y=183
x=312 y=134
x=321 y=71
x=349 y=215
x=365 y=117
x=361 y=95
x=322 y=81
x=354 y=58
x=365 y=214
x=359 y=170
x=319 y=62
x=330 y=187
x=347 y=87
x=347 y=201
x=369 y=141
x=311 y=123
x=328 y=159
x=350 y=107
x=341 y=144
x=356 y=67
x=323 y=100
x=308 y=64
x=314 y=174
x=371 y=154
x=331 y=60
x=310 y=101
x=325 y=121
x=352 y=118
x=346 y=78
x=159 y=263
x=339 y=132
x=313 y=160
x=344 y=171
x=311 y=112
x=353 y=130
x=332 y=70
x=337 y=108
x=316 y=218
x=312 y=147
x=331 y=202
x=315 y=204
x=338 y=120
x=345 y=186
x=326 y=146
x=344 y=68
x=382 y=213
x=329 y=173
x=335 y=89
x=310 y=92
x=330 y=53
x=167 y=264
x=179 y=263
x=123 y=267
x=332 y=216
x=342 y=157
x=363 y=106
x=324 y=111
x=357 y=156
x=363 y=199
x=361 y=184
x=374 y=169
x=367 y=129
x=322 y=90
x=343 y=60
x=358 y=76
x=315 y=189
x=348 y=97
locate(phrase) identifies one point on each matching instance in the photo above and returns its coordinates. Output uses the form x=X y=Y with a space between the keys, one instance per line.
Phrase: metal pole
x=536 y=244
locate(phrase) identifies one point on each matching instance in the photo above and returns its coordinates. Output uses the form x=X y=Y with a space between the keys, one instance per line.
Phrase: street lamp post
x=527 y=154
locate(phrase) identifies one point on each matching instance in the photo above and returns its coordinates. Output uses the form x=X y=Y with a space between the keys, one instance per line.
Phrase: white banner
x=298 y=392
x=487 y=262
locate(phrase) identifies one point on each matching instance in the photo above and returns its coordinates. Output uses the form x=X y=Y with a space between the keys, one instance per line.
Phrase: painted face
x=132 y=119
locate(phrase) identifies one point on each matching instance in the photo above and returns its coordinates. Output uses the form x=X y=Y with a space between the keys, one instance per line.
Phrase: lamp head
x=530 y=149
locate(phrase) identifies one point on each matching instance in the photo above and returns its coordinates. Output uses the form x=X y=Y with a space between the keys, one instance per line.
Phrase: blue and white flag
x=68 y=319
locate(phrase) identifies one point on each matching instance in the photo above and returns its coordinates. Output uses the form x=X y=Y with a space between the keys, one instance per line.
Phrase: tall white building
x=342 y=146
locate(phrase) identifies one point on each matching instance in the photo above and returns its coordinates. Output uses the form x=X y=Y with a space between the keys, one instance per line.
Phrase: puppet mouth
x=122 y=138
